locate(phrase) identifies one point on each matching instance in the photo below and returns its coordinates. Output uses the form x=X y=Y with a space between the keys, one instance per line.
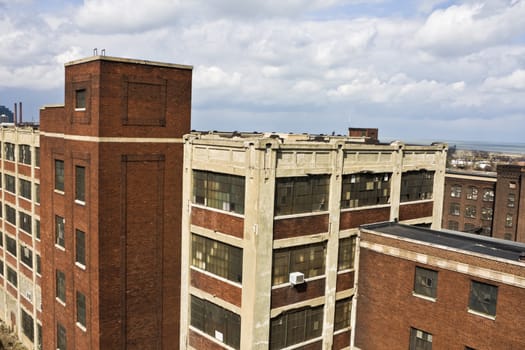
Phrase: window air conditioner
x=296 y=278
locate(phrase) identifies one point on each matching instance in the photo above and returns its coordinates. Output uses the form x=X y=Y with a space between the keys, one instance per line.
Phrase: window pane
x=483 y=298
x=220 y=191
x=425 y=282
x=365 y=189
x=216 y=257
x=417 y=185
x=296 y=195
x=80 y=183
x=59 y=175
x=80 y=247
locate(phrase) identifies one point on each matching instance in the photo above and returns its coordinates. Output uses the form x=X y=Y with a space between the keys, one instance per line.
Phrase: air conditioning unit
x=296 y=278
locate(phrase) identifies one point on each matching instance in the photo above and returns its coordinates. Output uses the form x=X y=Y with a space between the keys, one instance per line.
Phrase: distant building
x=425 y=289
x=369 y=135
x=269 y=229
x=509 y=211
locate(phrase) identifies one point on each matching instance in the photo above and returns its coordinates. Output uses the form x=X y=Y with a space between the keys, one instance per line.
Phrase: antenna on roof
x=103 y=52
x=95 y=51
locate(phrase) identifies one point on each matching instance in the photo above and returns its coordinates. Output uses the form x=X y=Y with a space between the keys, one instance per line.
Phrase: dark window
x=38 y=265
x=24 y=154
x=486 y=213
x=508 y=220
x=219 y=323
x=81 y=309
x=472 y=193
x=361 y=190
x=37 y=157
x=61 y=285
x=10 y=183
x=343 y=309
x=488 y=195
x=9 y=151
x=455 y=191
x=346 y=254
x=25 y=188
x=216 y=257
x=453 y=225
x=309 y=259
x=80 y=247
x=220 y=191
x=454 y=209
x=80 y=99
x=28 y=326
x=61 y=337
x=10 y=214
x=1 y=239
x=425 y=282
x=296 y=327
x=1 y=267
x=25 y=221
x=304 y=194
x=417 y=185
x=37 y=193
x=12 y=277
x=59 y=175
x=483 y=298
x=420 y=340
x=26 y=256
x=10 y=244
x=59 y=231
x=80 y=183
x=511 y=200
x=470 y=211
x=37 y=229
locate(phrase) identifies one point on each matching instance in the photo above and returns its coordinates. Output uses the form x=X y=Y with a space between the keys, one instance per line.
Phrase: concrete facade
x=259 y=304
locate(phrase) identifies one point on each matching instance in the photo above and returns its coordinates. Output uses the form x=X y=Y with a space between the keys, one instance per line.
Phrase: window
x=81 y=309
x=80 y=247
x=221 y=324
x=420 y=340
x=343 y=309
x=346 y=254
x=25 y=221
x=10 y=183
x=511 y=200
x=453 y=225
x=220 y=191
x=25 y=188
x=1 y=239
x=471 y=228
x=1 y=267
x=24 y=154
x=488 y=195
x=486 y=213
x=80 y=183
x=472 y=193
x=59 y=231
x=512 y=185
x=360 y=190
x=486 y=231
x=12 y=277
x=508 y=220
x=61 y=337
x=80 y=99
x=470 y=211
x=61 y=286
x=296 y=327
x=37 y=157
x=305 y=194
x=417 y=185
x=309 y=259
x=26 y=256
x=455 y=191
x=9 y=149
x=10 y=214
x=38 y=265
x=216 y=257
x=37 y=229
x=454 y=209
x=37 y=193
x=483 y=298
x=28 y=325
x=59 y=175
x=425 y=282
x=10 y=244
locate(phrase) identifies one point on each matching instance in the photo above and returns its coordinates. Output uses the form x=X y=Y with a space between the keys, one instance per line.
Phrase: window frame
x=425 y=282
x=60 y=286
x=485 y=304
x=59 y=172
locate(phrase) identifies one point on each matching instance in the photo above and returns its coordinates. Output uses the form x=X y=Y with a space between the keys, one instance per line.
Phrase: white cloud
x=512 y=81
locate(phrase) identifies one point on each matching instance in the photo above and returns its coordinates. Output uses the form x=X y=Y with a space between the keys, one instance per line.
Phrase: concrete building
x=269 y=229
x=20 y=245
x=111 y=189
x=424 y=289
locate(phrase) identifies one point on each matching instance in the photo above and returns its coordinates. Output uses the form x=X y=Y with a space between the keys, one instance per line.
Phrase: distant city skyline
x=431 y=69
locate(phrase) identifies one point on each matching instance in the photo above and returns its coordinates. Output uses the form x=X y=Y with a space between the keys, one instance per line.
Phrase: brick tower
x=111 y=184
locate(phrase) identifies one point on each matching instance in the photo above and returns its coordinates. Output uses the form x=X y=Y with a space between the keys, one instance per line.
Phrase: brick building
x=20 y=245
x=111 y=197
x=424 y=289
x=269 y=230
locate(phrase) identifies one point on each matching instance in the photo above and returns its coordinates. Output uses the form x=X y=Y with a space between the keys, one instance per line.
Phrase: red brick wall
x=356 y=218
x=221 y=222
x=345 y=281
x=217 y=288
x=197 y=341
x=290 y=295
x=300 y=226
x=342 y=340
x=414 y=211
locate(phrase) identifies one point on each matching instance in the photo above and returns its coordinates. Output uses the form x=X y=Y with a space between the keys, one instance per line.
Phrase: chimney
x=20 y=118
x=16 y=114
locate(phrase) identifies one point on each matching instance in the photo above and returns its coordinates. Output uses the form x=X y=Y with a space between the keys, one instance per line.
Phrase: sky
x=416 y=69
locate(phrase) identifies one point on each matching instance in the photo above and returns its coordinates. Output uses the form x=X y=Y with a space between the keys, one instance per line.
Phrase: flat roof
x=128 y=60
x=494 y=247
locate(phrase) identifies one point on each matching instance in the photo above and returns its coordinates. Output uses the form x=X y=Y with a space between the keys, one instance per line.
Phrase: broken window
x=365 y=189
x=303 y=194
x=417 y=185
x=219 y=191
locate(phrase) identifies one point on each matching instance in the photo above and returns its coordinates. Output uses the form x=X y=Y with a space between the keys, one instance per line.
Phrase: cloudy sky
x=415 y=69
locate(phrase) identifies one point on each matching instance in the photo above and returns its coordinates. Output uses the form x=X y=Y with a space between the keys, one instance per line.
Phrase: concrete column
x=439 y=188
x=395 y=181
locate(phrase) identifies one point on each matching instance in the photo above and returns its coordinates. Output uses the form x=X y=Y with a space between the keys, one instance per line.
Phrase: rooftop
x=128 y=60
x=494 y=247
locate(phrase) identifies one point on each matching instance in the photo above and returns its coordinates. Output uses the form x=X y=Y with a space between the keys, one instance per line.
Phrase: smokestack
x=20 y=119
x=16 y=114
